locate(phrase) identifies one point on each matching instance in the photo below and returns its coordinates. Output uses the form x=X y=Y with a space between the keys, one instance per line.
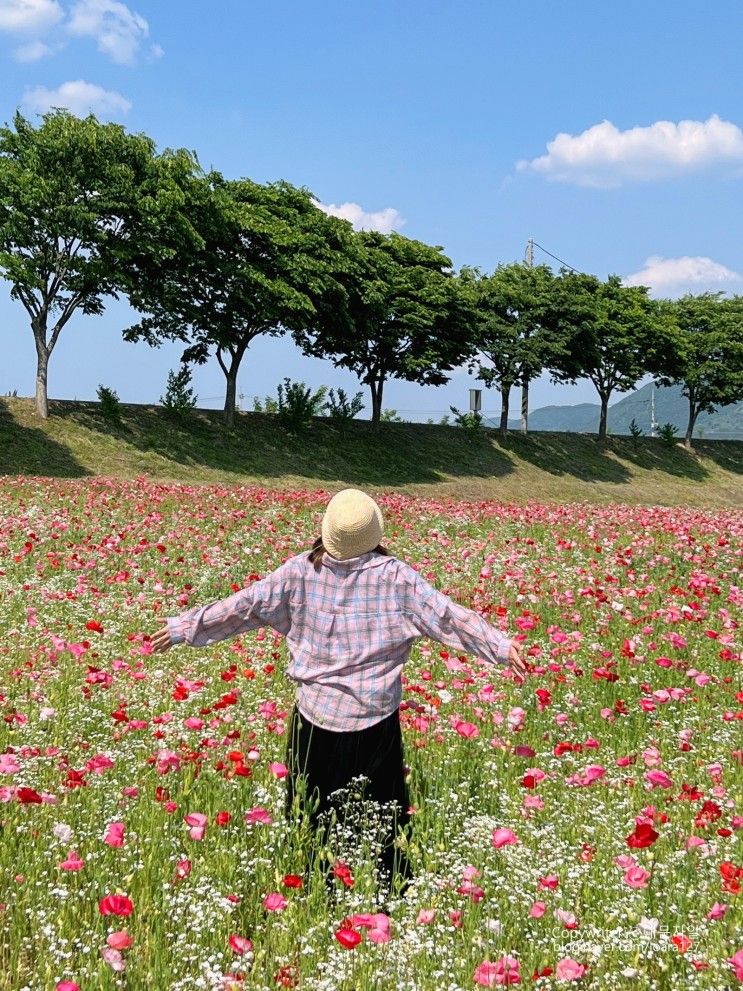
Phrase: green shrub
x=667 y=434
x=341 y=409
x=298 y=404
x=110 y=405
x=389 y=416
x=268 y=405
x=179 y=398
x=636 y=431
x=470 y=422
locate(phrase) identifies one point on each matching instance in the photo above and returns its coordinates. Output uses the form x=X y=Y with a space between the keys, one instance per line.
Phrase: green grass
x=418 y=459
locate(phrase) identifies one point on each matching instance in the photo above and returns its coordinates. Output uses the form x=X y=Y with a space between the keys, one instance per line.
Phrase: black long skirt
x=328 y=761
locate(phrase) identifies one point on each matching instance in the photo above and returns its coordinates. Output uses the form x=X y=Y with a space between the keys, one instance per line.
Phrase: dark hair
x=318 y=550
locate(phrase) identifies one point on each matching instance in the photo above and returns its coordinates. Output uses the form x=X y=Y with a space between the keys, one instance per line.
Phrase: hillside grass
x=418 y=459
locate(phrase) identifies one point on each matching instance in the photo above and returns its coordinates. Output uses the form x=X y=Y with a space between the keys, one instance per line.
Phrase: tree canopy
x=78 y=200
x=617 y=335
x=408 y=316
x=515 y=334
x=267 y=261
x=707 y=352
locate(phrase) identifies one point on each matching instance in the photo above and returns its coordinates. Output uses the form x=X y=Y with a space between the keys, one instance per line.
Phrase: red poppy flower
x=348 y=938
x=115 y=905
x=643 y=836
x=28 y=796
x=682 y=942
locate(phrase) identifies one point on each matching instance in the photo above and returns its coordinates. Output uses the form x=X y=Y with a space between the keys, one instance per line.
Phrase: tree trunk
x=693 y=413
x=230 y=396
x=505 y=394
x=230 y=373
x=376 y=394
x=604 y=416
x=525 y=406
x=42 y=366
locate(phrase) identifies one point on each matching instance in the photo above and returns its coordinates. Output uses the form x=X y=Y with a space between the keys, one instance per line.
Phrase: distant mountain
x=670 y=407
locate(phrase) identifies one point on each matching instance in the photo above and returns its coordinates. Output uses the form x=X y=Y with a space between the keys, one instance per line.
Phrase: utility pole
x=653 y=422
x=529 y=259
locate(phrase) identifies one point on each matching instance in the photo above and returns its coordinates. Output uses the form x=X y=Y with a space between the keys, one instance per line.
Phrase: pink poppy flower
x=467 y=730
x=274 y=902
x=115 y=834
x=240 y=945
x=258 y=815
x=73 y=862
x=120 y=940
x=501 y=973
x=426 y=916
x=625 y=861
x=636 y=877
x=695 y=841
x=736 y=962
x=167 y=761
x=66 y=986
x=537 y=910
x=717 y=912
x=278 y=769
x=503 y=837
x=658 y=779
x=197 y=821
x=9 y=764
x=113 y=958
x=570 y=970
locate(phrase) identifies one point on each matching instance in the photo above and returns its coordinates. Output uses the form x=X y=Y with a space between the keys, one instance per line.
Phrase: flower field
x=580 y=830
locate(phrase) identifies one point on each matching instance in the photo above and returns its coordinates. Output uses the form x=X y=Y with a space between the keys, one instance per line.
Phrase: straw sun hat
x=352 y=524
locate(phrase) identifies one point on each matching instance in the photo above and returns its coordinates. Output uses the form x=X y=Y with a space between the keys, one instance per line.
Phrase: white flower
x=63 y=832
x=648 y=925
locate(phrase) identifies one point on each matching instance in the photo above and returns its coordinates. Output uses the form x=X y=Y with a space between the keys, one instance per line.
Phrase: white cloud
x=605 y=156
x=29 y=15
x=674 y=276
x=77 y=96
x=117 y=29
x=32 y=52
x=382 y=220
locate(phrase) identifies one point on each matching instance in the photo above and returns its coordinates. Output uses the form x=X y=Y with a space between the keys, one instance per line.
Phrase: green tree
x=408 y=316
x=266 y=263
x=708 y=353
x=78 y=200
x=616 y=335
x=515 y=333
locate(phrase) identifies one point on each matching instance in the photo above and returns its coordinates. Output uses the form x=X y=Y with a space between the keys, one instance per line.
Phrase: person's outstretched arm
x=264 y=603
x=438 y=617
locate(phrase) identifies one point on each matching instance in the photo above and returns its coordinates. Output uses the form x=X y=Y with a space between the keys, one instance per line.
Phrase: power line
x=565 y=264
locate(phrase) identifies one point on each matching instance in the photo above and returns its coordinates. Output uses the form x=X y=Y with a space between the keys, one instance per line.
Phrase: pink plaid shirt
x=349 y=628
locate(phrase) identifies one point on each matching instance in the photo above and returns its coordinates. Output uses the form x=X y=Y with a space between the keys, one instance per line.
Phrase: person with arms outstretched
x=350 y=612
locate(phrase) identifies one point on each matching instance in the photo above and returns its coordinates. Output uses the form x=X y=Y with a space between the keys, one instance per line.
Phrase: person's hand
x=161 y=640
x=516 y=661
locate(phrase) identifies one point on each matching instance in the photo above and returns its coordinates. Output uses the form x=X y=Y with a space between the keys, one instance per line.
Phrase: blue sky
x=433 y=118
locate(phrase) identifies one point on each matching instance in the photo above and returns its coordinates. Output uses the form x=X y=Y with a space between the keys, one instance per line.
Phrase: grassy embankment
x=434 y=461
